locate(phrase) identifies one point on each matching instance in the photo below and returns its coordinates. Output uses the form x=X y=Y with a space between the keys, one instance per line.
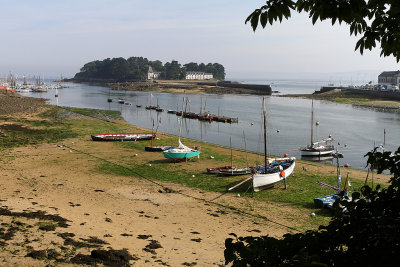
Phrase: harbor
x=353 y=128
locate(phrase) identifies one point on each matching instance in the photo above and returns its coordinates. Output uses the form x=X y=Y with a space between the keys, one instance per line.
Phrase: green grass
x=20 y=132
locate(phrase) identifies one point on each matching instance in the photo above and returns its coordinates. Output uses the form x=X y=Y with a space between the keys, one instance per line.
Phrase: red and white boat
x=123 y=136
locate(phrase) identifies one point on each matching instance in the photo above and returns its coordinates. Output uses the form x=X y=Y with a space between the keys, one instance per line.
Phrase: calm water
x=355 y=129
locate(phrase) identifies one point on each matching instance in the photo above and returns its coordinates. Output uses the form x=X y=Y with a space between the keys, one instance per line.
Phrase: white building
x=198 y=75
x=391 y=78
x=152 y=74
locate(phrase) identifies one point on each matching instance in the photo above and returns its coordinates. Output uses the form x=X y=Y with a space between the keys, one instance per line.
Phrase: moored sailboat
x=320 y=148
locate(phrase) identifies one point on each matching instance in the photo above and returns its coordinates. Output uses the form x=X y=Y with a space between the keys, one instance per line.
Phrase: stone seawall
x=390 y=95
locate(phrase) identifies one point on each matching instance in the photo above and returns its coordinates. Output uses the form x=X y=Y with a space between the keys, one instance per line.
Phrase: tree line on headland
x=136 y=68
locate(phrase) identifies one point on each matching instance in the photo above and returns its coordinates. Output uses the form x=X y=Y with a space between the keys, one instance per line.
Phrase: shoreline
x=346 y=97
x=188 y=86
x=193 y=87
x=128 y=198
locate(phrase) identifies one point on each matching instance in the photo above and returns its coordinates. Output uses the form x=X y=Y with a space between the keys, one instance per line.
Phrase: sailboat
x=319 y=148
x=231 y=170
x=275 y=170
x=182 y=151
x=156 y=148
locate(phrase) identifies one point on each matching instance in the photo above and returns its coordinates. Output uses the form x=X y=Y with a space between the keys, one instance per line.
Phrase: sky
x=50 y=38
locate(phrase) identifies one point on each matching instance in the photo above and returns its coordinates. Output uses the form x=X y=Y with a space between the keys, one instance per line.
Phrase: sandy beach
x=137 y=219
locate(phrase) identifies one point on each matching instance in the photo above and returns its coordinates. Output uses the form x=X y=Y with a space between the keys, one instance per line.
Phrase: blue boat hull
x=326 y=201
x=180 y=155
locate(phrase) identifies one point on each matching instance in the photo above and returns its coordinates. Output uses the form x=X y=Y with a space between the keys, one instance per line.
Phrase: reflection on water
x=355 y=129
x=326 y=159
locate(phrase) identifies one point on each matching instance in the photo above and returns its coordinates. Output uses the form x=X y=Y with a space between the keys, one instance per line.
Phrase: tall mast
x=312 y=122
x=180 y=124
x=265 y=133
x=230 y=144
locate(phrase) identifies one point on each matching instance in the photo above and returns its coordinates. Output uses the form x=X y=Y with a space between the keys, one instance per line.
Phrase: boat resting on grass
x=276 y=172
x=235 y=171
x=182 y=152
x=217 y=170
x=123 y=136
x=157 y=148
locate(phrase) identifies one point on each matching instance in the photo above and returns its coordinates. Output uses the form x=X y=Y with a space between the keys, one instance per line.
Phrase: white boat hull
x=266 y=180
x=316 y=153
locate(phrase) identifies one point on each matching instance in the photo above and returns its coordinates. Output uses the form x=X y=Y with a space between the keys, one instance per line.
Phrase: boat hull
x=234 y=172
x=326 y=201
x=157 y=148
x=266 y=180
x=217 y=170
x=310 y=152
x=123 y=137
x=180 y=155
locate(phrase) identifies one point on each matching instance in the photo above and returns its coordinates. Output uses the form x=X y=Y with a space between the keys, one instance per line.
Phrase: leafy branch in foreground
x=364 y=231
x=376 y=21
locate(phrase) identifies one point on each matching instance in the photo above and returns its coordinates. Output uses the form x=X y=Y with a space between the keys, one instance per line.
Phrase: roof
x=390 y=73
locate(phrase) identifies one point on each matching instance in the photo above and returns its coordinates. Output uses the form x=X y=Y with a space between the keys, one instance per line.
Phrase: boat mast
x=230 y=144
x=265 y=133
x=180 y=124
x=245 y=149
x=312 y=122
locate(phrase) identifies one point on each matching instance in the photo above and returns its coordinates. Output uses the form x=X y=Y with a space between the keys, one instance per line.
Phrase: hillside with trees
x=136 y=68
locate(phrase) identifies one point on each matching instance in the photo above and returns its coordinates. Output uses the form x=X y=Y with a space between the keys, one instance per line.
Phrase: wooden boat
x=123 y=136
x=138 y=106
x=158 y=109
x=275 y=170
x=235 y=171
x=157 y=148
x=217 y=170
x=182 y=152
x=152 y=148
x=231 y=170
x=317 y=149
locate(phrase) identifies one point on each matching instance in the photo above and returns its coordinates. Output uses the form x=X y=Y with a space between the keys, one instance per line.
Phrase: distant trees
x=136 y=68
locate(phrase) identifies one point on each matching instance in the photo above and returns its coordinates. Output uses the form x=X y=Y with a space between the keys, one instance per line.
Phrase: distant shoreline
x=179 y=86
x=361 y=99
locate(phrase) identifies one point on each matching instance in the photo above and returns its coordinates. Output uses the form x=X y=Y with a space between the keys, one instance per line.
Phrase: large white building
x=198 y=75
x=152 y=74
x=389 y=78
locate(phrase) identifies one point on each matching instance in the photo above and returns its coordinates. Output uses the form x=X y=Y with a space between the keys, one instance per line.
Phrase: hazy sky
x=50 y=38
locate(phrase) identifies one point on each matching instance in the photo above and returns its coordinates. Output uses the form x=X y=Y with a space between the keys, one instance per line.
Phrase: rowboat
x=123 y=137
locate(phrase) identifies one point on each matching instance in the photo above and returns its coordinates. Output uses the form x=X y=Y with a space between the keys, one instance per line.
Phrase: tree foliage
x=364 y=231
x=376 y=21
x=136 y=68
